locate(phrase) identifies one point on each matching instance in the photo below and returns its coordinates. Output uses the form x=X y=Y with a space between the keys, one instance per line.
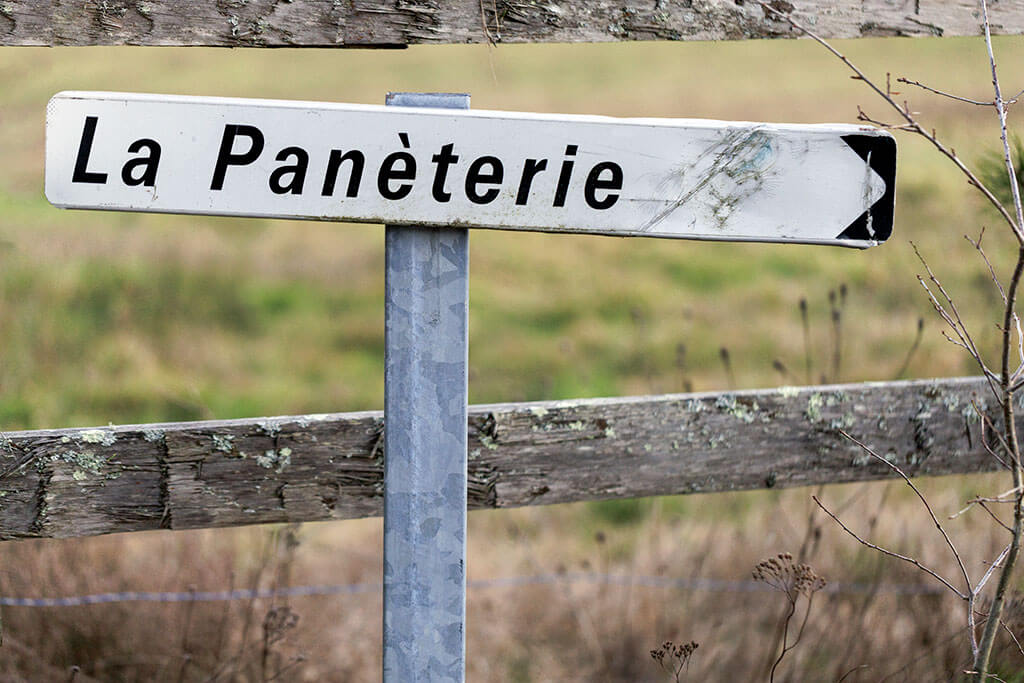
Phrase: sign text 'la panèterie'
x=654 y=177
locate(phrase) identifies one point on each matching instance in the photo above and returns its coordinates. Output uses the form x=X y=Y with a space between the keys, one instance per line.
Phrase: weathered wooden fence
x=179 y=476
x=79 y=482
x=82 y=482
x=397 y=23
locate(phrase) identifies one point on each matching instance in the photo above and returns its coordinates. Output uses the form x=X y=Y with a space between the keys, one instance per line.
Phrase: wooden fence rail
x=81 y=482
x=397 y=23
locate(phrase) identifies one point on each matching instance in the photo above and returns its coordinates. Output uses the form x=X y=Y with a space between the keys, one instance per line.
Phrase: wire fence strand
x=694 y=584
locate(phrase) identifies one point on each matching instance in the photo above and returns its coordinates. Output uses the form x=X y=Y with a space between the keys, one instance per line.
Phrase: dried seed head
x=784 y=574
x=678 y=655
x=277 y=623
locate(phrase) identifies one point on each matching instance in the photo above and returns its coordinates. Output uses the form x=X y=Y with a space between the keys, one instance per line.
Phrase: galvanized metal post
x=425 y=403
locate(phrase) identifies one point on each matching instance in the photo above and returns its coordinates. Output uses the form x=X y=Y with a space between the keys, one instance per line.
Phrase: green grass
x=127 y=317
x=109 y=317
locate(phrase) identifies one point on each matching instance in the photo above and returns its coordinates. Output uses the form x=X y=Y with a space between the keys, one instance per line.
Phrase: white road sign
x=693 y=179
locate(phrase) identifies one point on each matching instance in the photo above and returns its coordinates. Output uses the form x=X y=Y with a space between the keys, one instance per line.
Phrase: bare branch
x=1015 y=641
x=960 y=344
x=985 y=420
x=975 y=672
x=981 y=502
x=944 y=94
x=955 y=322
x=994 y=516
x=1005 y=497
x=866 y=118
x=991 y=451
x=988 y=574
x=1020 y=346
x=977 y=245
x=924 y=501
x=981 y=659
x=935 y=575
x=959 y=326
x=911 y=123
x=1001 y=111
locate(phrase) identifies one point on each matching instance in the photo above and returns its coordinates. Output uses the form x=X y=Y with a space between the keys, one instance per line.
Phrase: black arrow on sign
x=880 y=154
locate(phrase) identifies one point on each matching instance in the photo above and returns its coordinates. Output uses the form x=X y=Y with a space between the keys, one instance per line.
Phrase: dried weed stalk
x=1002 y=440
x=792 y=579
x=276 y=625
x=837 y=299
x=677 y=656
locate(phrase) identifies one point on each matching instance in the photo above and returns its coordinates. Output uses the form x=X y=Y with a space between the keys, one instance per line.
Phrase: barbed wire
x=699 y=584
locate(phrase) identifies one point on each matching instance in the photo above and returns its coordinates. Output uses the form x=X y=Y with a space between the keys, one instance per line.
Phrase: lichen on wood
x=379 y=23
x=76 y=482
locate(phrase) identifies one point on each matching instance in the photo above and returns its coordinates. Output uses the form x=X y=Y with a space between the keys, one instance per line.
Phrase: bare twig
x=1003 y=384
x=1009 y=424
x=930 y=652
x=971 y=593
x=977 y=245
x=1001 y=112
x=935 y=575
x=1010 y=432
x=993 y=515
x=1015 y=641
x=992 y=567
x=985 y=420
x=981 y=502
x=955 y=322
x=908 y=116
x=924 y=501
x=944 y=94
x=976 y=673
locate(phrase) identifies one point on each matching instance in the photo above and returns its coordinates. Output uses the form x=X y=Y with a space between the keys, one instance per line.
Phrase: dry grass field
x=116 y=318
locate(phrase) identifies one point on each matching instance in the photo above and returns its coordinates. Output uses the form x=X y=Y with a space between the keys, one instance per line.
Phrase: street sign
x=430 y=168
x=691 y=179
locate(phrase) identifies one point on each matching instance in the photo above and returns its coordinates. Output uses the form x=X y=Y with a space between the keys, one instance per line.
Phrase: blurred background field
x=118 y=318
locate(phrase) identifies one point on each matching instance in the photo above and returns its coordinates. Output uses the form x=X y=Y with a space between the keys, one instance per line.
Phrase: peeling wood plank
x=397 y=23
x=81 y=482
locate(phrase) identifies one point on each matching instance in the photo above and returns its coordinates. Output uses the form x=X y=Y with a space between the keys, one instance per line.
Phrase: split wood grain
x=398 y=23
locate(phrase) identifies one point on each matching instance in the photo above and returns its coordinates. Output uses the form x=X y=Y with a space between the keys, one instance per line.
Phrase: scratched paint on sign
x=712 y=180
